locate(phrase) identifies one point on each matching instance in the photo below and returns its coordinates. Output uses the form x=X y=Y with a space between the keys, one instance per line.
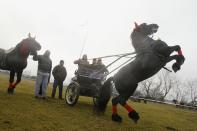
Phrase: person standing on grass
x=43 y=74
x=59 y=73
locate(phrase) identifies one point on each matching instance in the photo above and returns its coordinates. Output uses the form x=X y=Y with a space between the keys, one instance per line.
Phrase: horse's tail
x=105 y=95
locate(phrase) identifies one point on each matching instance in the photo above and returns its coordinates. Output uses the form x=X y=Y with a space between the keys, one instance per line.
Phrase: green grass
x=22 y=111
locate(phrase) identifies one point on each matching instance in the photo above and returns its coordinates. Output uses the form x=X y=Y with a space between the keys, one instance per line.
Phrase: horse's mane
x=9 y=50
x=13 y=49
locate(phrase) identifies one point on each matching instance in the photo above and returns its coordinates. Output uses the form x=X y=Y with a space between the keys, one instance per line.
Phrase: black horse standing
x=151 y=56
x=15 y=60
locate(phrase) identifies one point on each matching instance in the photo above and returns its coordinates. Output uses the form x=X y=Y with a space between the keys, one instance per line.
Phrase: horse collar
x=24 y=49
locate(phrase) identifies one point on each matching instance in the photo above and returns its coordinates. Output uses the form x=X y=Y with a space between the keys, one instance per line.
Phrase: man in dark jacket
x=59 y=74
x=43 y=73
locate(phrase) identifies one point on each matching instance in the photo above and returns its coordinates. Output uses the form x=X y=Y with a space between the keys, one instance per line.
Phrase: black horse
x=15 y=60
x=151 y=56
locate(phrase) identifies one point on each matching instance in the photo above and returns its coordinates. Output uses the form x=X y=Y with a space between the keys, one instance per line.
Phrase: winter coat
x=44 y=63
x=59 y=73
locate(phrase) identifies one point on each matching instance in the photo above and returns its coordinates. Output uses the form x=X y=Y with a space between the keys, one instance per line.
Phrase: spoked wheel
x=72 y=94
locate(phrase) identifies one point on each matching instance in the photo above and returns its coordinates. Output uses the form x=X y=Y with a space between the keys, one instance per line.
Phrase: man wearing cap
x=83 y=61
x=101 y=66
x=59 y=73
x=83 y=64
x=43 y=73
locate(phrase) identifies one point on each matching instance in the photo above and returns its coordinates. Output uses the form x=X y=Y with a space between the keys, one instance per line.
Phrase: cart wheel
x=72 y=94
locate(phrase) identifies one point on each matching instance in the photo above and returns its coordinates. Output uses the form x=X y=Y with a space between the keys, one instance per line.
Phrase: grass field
x=22 y=111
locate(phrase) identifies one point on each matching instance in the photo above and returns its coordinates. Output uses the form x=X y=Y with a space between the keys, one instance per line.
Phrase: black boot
x=134 y=116
x=116 y=118
x=10 y=91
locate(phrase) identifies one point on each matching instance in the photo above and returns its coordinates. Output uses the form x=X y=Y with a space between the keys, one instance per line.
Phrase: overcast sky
x=104 y=25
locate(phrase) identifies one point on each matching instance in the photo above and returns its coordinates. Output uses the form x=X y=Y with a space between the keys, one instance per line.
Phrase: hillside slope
x=22 y=111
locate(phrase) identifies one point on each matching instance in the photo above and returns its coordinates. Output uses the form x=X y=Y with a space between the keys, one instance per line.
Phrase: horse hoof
x=116 y=118
x=10 y=91
x=176 y=67
x=134 y=116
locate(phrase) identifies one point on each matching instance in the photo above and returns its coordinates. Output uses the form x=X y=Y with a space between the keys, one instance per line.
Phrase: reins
x=120 y=56
x=120 y=65
x=117 y=55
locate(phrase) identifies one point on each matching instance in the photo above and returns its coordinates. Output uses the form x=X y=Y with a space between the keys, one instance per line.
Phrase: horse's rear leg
x=13 y=86
x=10 y=90
x=115 y=116
x=131 y=112
x=19 y=75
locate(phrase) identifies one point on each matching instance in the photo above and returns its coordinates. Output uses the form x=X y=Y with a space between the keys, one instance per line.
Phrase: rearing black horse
x=151 y=56
x=15 y=60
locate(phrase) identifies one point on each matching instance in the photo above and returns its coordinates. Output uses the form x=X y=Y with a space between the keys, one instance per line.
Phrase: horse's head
x=146 y=29
x=29 y=45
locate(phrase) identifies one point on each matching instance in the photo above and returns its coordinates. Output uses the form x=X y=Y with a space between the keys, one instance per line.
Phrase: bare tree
x=137 y=93
x=146 y=86
x=156 y=90
x=183 y=100
x=191 y=85
x=168 y=83
x=162 y=85
x=177 y=91
x=158 y=87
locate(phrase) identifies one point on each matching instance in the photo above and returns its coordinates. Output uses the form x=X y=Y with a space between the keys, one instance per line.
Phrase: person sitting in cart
x=94 y=64
x=99 y=69
x=83 y=61
x=101 y=66
x=93 y=69
x=83 y=64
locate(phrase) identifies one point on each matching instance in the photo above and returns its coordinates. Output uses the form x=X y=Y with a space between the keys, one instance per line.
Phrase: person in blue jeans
x=43 y=74
x=59 y=73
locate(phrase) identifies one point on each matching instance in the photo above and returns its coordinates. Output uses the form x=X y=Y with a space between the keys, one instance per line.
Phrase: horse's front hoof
x=10 y=91
x=116 y=118
x=176 y=67
x=134 y=116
